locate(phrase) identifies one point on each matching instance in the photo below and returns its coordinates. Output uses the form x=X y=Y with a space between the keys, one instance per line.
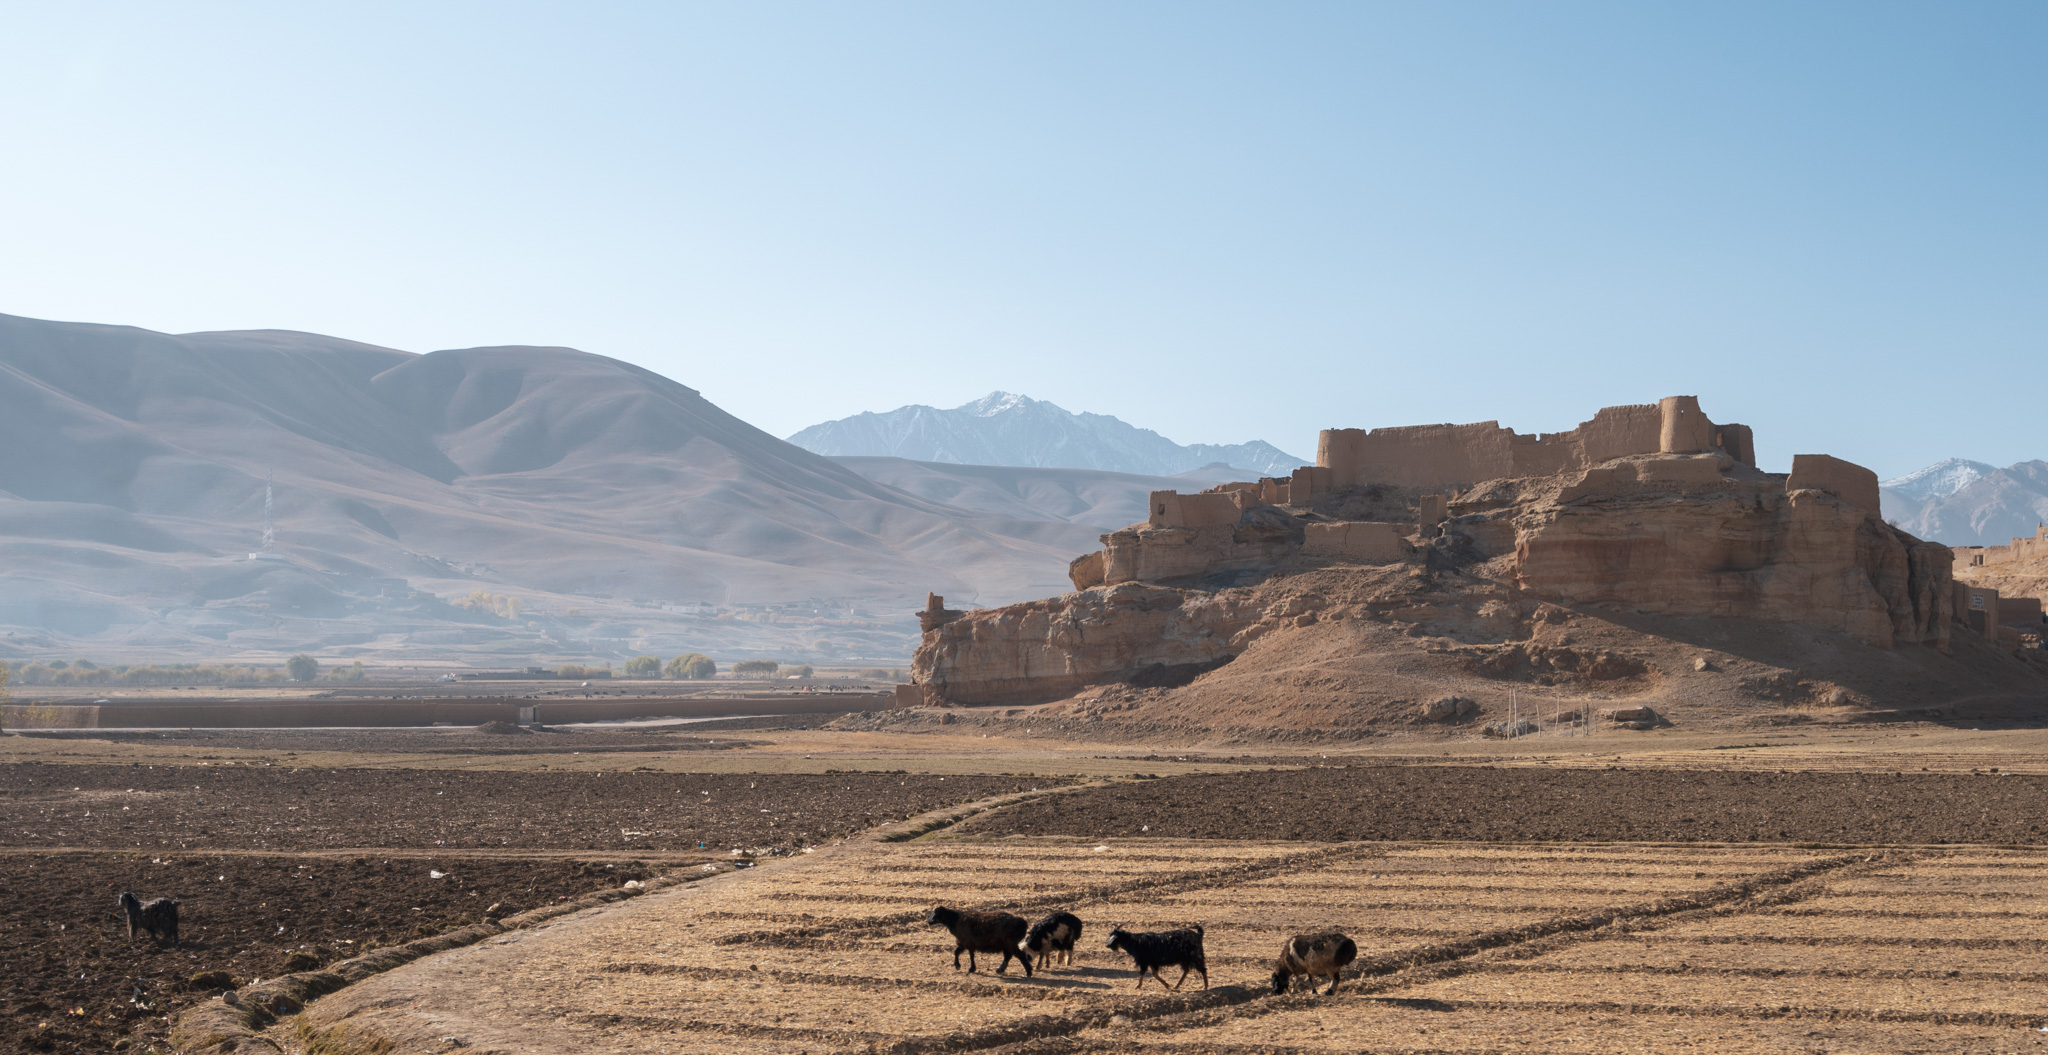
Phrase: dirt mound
x=1374 y=647
x=503 y=728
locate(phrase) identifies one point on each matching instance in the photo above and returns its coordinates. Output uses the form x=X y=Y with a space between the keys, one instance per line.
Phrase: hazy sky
x=1222 y=222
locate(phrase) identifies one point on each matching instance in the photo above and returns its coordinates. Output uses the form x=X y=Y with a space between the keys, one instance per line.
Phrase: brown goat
x=1312 y=956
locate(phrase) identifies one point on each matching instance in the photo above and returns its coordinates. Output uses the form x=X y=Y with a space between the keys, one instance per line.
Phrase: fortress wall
x=1418 y=455
x=1451 y=456
x=1310 y=480
x=1845 y=480
x=1682 y=427
x=1617 y=432
x=1739 y=442
x=1171 y=509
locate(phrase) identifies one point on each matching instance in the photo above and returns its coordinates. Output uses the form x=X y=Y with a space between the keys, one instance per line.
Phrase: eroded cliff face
x=1043 y=650
x=1731 y=547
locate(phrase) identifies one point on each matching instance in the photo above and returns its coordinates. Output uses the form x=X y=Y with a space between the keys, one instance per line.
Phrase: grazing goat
x=1311 y=956
x=1155 y=949
x=989 y=932
x=1054 y=934
x=159 y=916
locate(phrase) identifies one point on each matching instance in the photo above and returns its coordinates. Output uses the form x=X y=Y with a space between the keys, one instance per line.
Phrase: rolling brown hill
x=132 y=496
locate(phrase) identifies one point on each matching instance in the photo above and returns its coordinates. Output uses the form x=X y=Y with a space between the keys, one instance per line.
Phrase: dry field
x=1464 y=948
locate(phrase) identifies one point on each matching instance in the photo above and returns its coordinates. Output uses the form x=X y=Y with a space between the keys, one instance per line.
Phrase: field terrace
x=1464 y=948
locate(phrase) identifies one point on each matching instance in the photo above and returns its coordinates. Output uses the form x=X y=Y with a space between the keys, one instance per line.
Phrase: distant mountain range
x=132 y=495
x=1006 y=429
x=1103 y=501
x=1966 y=503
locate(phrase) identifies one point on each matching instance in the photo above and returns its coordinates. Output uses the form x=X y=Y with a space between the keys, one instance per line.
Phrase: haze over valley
x=500 y=504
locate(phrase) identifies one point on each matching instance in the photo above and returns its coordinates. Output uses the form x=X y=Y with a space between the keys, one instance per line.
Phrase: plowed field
x=1464 y=948
x=1549 y=804
x=272 y=863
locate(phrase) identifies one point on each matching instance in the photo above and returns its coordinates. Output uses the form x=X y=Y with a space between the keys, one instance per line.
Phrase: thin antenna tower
x=269 y=512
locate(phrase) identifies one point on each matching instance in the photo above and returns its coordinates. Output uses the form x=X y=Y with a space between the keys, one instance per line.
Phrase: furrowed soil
x=271 y=863
x=70 y=978
x=1522 y=804
x=278 y=808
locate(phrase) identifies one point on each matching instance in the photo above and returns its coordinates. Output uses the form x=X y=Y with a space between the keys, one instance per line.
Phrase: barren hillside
x=591 y=490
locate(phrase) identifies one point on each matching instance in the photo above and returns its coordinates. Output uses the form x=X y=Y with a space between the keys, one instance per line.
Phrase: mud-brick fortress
x=1655 y=507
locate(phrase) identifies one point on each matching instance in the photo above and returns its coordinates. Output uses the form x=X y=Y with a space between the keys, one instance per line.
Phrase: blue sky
x=1223 y=222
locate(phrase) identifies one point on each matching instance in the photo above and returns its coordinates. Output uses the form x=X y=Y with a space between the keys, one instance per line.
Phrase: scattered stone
x=1700 y=663
x=1505 y=730
x=1448 y=708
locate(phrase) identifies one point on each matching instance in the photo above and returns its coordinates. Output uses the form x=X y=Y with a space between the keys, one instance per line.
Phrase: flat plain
x=1816 y=892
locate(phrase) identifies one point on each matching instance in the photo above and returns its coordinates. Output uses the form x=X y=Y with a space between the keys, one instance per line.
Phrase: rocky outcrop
x=1212 y=556
x=1044 y=650
x=1655 y=508
x=1736 y=546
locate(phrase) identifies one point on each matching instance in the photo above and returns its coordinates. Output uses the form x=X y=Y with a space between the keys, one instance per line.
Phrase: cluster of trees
x=768 y=668
x=497 y=604
x=696 y=666
x=86 y=672
x=693 y=666
x=571 y=670
x=878 y=674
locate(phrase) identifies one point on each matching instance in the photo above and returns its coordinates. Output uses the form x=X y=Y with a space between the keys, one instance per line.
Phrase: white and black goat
x=989 y=932
x=1155 y=949
x=1313 y=956
x=1056 y=933
x=158 y=916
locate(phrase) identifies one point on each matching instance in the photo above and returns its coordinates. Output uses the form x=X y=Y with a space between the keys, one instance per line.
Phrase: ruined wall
x=1189 y=555
x=2018 y=549
x=1171 y=509
x=1453 y=456
x=1847 y=481
x=1367 y=541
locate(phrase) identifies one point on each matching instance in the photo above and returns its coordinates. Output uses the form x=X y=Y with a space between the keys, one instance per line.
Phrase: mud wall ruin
x=1453 y=456
x=2019 y=549
x=1847 y=481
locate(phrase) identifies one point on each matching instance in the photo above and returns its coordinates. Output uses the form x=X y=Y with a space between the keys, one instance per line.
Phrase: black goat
x=1311 y=956
x=1155 y=949
x=989 y=932
x=1054 y=934
x=159 y=916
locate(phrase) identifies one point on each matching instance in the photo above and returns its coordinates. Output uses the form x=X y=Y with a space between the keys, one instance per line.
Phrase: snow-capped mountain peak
x=996 y=403
x=1941 y=479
